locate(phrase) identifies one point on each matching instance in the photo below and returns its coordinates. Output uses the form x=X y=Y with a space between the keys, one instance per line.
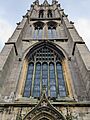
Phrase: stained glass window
x=46 y=72
x=38 y=30
x=52 y=33
x=61 y=83
x=38 y=33
x=27 y=90
x=36 y=90
x=45 y=76
x=52 y=80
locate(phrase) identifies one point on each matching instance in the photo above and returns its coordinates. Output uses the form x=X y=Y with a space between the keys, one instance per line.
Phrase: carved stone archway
x=44 y=111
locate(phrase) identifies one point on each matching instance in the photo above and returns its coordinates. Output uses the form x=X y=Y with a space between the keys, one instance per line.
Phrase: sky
x=11 y=12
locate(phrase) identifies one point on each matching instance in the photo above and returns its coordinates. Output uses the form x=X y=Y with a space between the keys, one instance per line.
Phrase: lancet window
x=41 y=13
x=38 y=30
x=52 y=30
x=49 y=14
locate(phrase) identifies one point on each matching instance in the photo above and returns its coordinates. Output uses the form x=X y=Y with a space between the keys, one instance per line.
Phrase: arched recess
x=38 y=24
x=49 y=13
x=52 y=23
x=53 y=45
x=62 y=58
x=44 y=111
x=52 y=33
x=41 y=13
x=38 y=30
x=61 y=52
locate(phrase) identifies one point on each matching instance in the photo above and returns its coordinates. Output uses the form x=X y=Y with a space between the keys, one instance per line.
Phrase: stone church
x=45 y=68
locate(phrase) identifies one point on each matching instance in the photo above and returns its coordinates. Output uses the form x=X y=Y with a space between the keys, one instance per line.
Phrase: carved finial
x=36 y=2
x=45 y=3
x=71 y=22
x=54 y=1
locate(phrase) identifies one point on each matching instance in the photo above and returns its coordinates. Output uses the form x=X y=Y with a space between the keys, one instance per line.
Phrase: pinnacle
x=45 y=2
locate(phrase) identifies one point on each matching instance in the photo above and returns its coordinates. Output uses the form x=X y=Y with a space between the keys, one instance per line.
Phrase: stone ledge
x=8 y=43
x=61 y=104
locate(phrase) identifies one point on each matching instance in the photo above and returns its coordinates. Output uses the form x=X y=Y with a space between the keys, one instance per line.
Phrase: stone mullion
x=45 y=14
x=48 y=80
x=52 y=13
x=43 y=32
x=46 y=31
x=33 y=30
x=58 y=32
x=37 y=13
x=56 y=78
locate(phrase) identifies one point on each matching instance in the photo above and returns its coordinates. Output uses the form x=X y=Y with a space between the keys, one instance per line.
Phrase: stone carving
x=9 y=98
x=44 y=110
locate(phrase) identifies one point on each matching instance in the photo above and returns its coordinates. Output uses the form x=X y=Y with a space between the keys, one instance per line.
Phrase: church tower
x=45 y=68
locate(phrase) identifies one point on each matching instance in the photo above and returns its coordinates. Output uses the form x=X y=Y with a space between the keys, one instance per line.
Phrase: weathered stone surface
x=14 y=59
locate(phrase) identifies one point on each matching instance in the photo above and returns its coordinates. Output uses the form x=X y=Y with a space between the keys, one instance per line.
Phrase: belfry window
x=49 y=14
x=52 y=30
x=38 y=30
x=41 y=13
x=46 y=72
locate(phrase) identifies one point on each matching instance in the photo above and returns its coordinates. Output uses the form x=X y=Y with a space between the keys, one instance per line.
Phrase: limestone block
x=82 y=56
x=67 y=23
x=85 y=55
x=74 y=35
x=6 y=59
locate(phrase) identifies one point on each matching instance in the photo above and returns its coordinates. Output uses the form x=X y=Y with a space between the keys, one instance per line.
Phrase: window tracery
x=49 y=14
x=41 y=13
x=28 y=85
x=52 y=80
x=36 y=90
x=52 y=30
x=38 y=30
x=47 y=69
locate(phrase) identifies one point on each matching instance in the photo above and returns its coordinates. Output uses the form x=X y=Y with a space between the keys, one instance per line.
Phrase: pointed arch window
x=46 y=72
x=52 y=30
x=28 y=85
x=49 y=14
x=41 y=13
x=38 y=30
x=52 y=80
x=36 y=89
x=45 y=76
x=61 y=83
